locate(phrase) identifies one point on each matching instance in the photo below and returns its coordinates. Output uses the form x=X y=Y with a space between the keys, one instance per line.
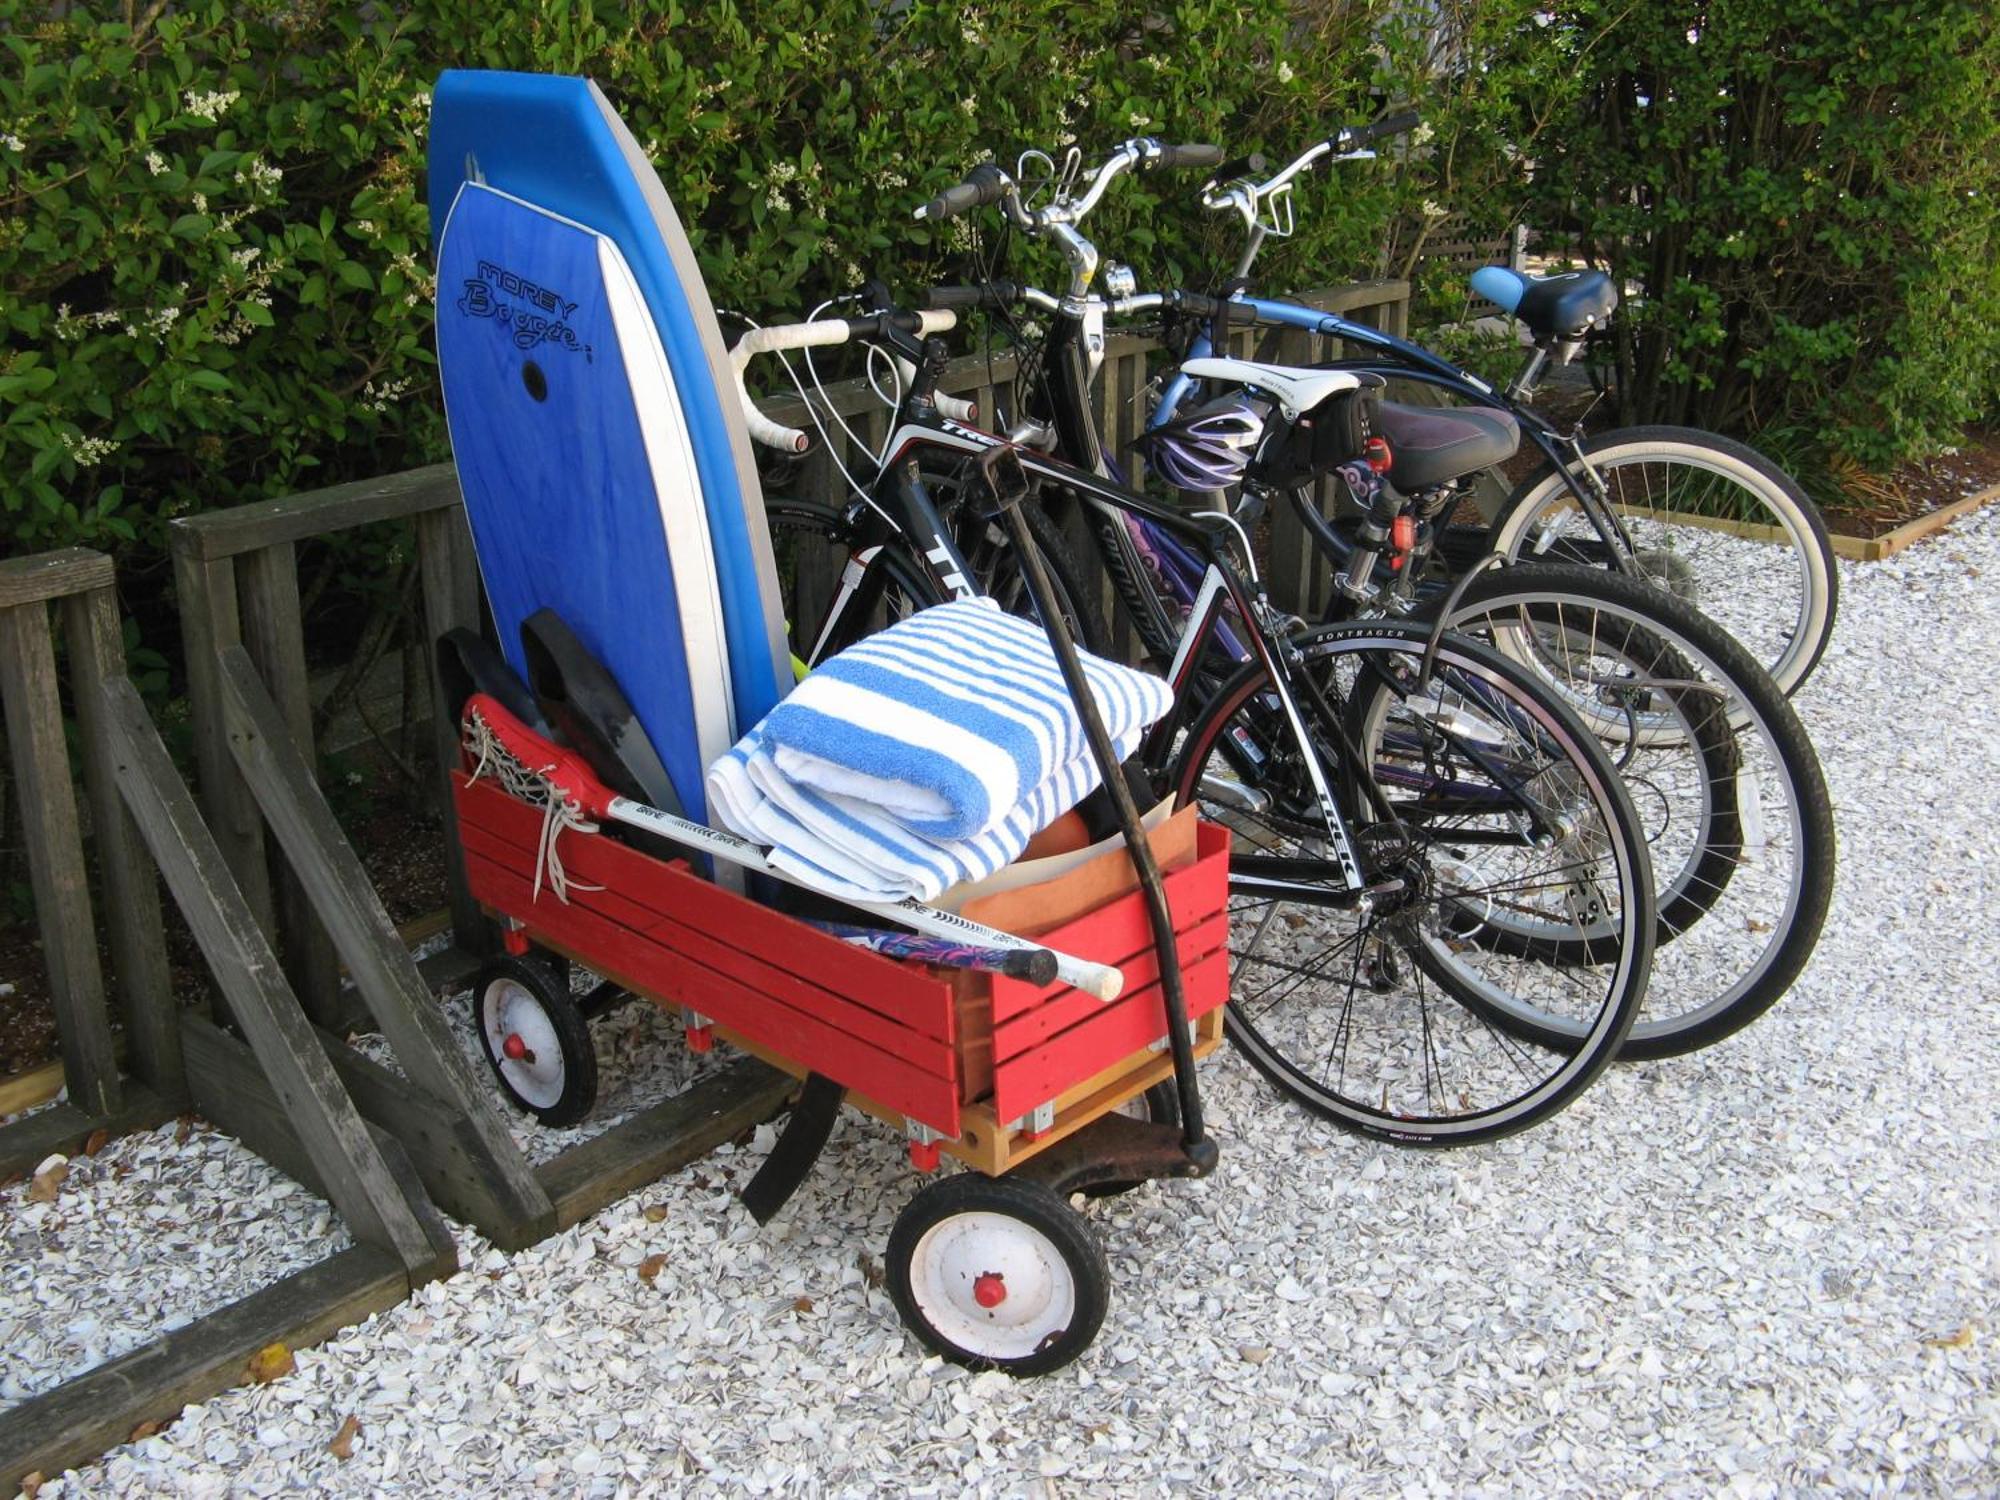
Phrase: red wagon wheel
x=537 y=1040
x=998 y=1274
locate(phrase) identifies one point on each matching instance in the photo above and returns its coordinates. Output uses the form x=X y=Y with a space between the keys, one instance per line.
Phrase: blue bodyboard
x=556 y=143
x=577 y=471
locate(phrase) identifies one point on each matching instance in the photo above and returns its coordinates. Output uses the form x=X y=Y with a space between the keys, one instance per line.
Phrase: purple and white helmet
x=1210 y=447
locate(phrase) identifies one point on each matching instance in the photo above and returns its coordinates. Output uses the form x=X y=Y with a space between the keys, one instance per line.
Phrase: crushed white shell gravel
x=1767 y=1267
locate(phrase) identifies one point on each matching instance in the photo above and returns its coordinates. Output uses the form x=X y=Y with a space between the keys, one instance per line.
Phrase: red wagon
x=1044 y=1090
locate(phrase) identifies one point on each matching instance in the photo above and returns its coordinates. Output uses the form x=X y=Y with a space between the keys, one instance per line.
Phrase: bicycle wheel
x=1731 y=796
x=832 y=594
x=1367 y=1014
x=1712 y=521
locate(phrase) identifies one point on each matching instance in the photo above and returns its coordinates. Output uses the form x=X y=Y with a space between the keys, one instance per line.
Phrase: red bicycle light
x=1376 y=451
x=1403 y=533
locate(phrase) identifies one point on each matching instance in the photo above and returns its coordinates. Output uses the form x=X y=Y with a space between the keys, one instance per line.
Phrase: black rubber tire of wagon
x=1044 y=1213
x=576 y=1091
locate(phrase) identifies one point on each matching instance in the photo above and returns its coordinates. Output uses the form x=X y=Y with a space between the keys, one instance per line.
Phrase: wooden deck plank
x=663 y=1139
x=98 y=1410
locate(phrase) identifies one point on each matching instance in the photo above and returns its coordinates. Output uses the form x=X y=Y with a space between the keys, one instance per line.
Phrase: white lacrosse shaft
x=1105 y=981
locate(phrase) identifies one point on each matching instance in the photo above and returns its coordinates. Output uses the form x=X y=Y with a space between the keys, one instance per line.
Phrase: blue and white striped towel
x=970 y=716
x=847 y=847
x=950 y=719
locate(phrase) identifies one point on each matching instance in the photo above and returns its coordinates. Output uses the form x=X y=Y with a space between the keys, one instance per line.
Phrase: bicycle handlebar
x=985 y=183
x=1355 y=137
x=1172 y=157
x=818 y=334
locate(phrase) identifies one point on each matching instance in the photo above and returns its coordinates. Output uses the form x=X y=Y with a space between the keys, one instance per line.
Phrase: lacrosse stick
x=530 y=768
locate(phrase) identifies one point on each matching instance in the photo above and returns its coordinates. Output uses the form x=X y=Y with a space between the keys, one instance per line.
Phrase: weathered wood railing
x=75 y=587
x=237 y=575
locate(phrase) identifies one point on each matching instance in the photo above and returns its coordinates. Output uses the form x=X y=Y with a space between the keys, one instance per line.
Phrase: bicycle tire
x=1787 y=641
x=815 y=549
x=1377 y=657
x=1769 y=916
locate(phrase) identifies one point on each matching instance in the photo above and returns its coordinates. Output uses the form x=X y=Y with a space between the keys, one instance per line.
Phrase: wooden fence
x=81 y=921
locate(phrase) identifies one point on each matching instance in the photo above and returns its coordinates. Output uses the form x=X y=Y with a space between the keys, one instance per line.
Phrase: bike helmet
x=1210 y=447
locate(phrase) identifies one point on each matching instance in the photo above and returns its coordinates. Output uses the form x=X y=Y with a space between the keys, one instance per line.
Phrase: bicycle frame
x=1398 y=359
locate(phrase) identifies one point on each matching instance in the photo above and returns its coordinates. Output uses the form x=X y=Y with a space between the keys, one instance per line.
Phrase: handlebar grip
x=985 y=294
x=984 y=184
x=957 y=410
x=1189 y=156
x=1355 y=138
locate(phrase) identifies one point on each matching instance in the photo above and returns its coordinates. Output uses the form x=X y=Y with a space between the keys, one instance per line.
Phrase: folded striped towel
x=948 y=720
x=852 y=848
x=925 y=756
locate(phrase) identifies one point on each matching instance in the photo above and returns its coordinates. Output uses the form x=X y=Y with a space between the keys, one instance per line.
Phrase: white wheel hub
x=991 y=1284
x=522 y=1039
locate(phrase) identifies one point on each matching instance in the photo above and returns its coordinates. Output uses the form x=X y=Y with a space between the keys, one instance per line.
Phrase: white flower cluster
x=1435 y=210
x=210 y=106
x=88 y=452
x=256 y=172
x=1422 y=134
x=1139 y=121
x=423 y=286
x=1285 y=73
x=379 y=398
x=155 y=163
x=13 y=142
x=71 y=327
x=969 y=106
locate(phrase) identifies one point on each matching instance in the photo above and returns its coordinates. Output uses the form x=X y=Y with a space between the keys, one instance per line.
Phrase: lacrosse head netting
x=530 y=769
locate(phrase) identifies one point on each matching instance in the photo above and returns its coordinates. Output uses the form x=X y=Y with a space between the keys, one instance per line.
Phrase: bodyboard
x=577 y=471
x=557 y=143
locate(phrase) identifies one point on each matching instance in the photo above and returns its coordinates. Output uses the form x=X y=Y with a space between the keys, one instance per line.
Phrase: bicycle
x=1722 y=764
x=1608 y=500
x=1519 y=807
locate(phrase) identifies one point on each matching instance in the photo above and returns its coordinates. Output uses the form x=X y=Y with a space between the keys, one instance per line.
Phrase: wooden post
x=210 y=620
x=339 y=892
x=450 y=577
x=267 y=581
x=358 y=1181
x=131 y=886
x=55 y=853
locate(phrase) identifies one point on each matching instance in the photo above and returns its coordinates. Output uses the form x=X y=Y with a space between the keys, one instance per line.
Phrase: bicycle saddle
x=1429 y=445
x=1298 y=389
x=1561 y=306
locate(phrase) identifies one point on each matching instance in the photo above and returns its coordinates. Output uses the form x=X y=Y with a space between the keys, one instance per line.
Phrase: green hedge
x=1808 y=192
x=214 y=244
x=215 y=281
